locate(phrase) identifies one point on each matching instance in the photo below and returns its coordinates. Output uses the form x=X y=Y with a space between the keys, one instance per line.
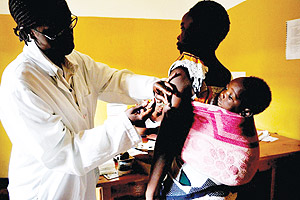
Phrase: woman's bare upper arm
x=183 y=85
x=182 y=80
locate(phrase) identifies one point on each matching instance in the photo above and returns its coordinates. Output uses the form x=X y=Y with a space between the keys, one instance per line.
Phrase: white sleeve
x=33 y=127
x=117 y=86
x=91 y=148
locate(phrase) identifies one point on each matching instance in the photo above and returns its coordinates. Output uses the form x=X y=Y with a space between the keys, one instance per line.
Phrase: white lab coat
x=55 y=146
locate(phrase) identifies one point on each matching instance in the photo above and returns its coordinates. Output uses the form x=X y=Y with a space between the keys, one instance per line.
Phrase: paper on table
x=149 y=146
x=133 y=152
x=107 y=168
x=265 y=136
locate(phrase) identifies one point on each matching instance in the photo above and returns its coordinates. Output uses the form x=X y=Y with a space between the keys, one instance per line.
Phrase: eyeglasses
x=73 y=23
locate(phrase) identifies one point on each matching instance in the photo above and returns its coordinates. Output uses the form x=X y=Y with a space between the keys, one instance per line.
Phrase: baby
x=221 y=146
x=246 y=96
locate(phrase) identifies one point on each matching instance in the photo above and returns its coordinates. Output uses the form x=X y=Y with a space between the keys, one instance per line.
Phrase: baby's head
x=246 y=96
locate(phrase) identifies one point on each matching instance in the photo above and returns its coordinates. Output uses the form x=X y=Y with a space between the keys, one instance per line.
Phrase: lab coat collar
x=34 y=53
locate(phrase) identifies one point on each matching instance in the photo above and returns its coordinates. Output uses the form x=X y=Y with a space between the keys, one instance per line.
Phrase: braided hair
x=29 y=14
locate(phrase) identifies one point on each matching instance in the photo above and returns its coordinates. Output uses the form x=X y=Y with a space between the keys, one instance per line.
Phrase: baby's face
x=229 y=98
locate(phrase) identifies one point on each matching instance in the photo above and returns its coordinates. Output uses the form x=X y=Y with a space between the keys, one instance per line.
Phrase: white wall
x=149 y=9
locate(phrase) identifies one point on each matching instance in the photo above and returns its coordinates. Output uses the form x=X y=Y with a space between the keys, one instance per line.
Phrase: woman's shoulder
x=218 y=75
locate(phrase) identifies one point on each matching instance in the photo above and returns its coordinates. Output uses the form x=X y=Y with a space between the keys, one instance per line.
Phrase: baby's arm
x=174 y=128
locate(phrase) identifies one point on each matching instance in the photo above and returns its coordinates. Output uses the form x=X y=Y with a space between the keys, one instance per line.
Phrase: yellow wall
x=255 y=44
x=9 y=49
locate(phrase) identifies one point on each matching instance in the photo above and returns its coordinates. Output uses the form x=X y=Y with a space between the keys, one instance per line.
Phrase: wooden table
x=271 y=155
x=128 y=185
x=272 y=151
x=283 y=155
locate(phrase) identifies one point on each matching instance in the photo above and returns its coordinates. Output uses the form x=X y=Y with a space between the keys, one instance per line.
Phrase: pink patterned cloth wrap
x=218 y=147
